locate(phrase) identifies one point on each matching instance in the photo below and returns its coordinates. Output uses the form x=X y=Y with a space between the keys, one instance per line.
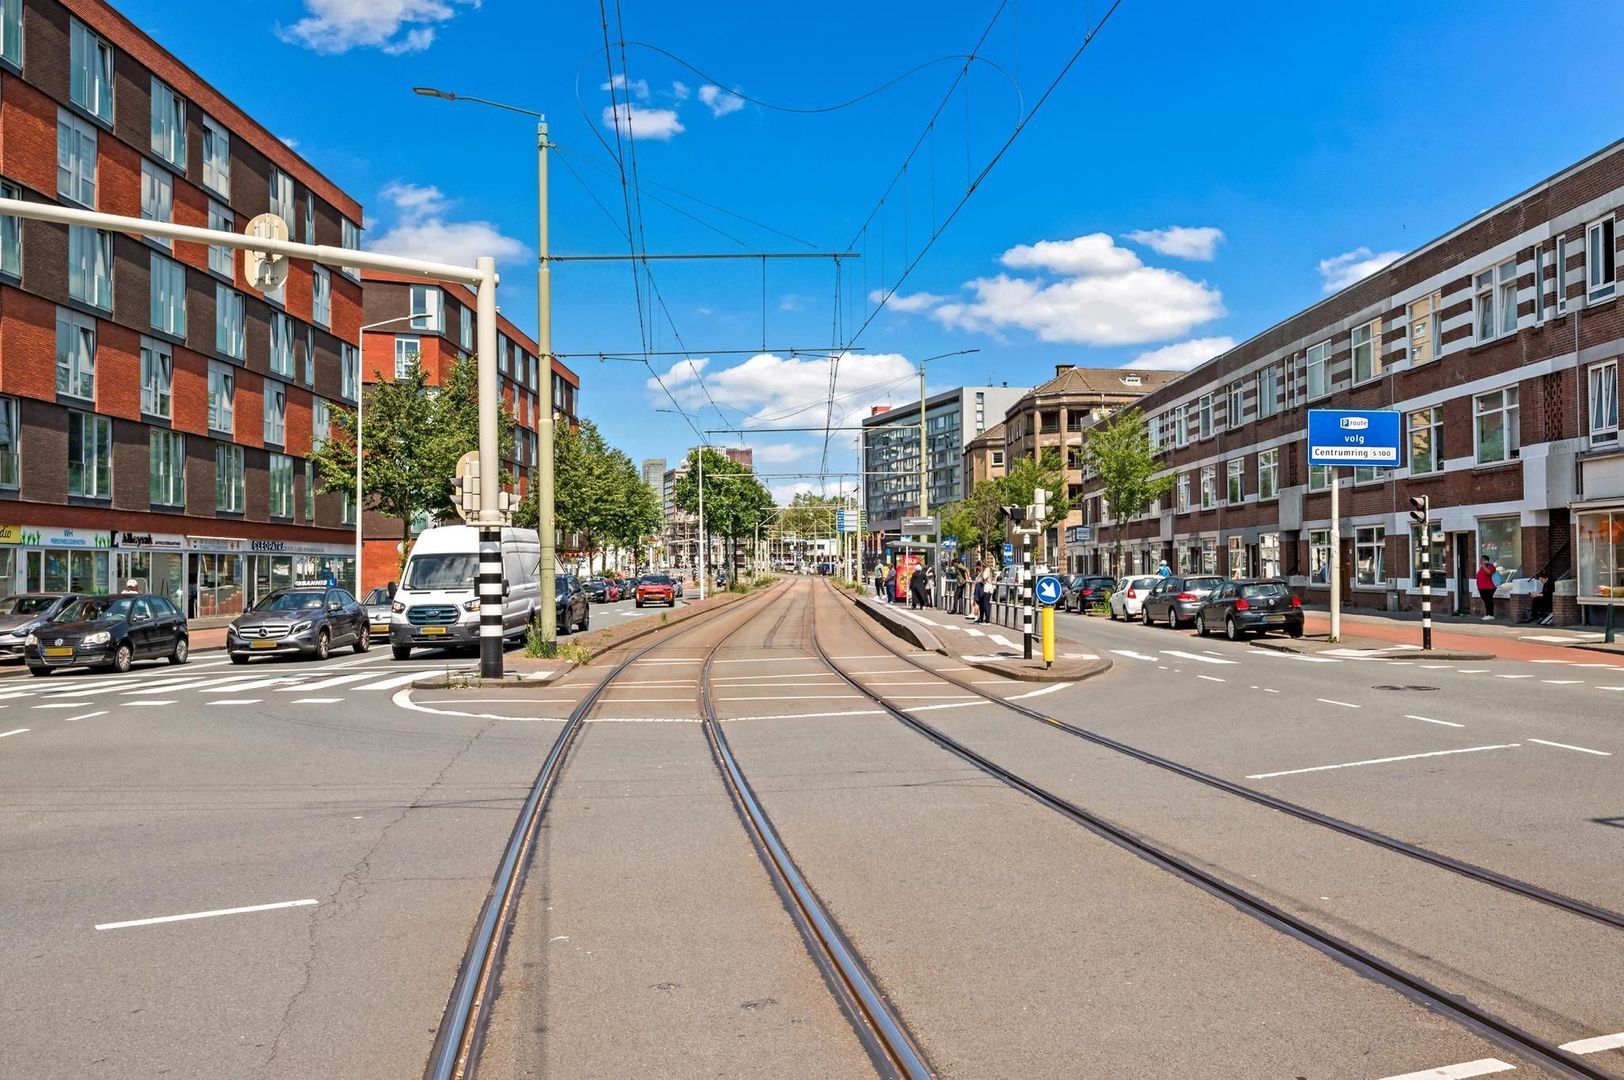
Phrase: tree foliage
x=597 y=493
x=1118 y=452
x=975 y=521
x=735 y=501
x=811 y=516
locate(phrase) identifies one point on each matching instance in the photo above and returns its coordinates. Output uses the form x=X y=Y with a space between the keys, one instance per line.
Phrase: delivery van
x=437 y=602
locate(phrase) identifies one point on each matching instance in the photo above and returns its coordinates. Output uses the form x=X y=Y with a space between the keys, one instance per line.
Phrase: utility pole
x=547 y=568
x=1420 y=514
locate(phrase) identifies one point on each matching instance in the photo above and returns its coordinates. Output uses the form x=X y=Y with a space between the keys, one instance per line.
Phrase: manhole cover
x=1404 y=688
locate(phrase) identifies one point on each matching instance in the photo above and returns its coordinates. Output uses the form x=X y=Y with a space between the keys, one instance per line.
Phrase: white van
x=437 y=602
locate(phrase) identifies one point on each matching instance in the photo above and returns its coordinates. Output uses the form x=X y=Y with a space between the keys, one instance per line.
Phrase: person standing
x=984 y=591
x=879 y=580
x=891 y=582
x=1486 y=586
x=1164 y=570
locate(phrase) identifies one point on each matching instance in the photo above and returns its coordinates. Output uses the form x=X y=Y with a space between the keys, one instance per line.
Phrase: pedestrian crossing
x=207 y=689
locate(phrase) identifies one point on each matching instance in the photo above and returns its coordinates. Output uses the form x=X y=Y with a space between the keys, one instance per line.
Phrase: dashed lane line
x=1596 y=1045
x=205 y=914
x=61 y=705
x=86 y=716
x=1040 y=693
x=390 y=684
x=1333 y=701
x=1211 y=678
x=1566 y=746
x=1383 y=761
x=1430 y=720
x=136 y=704
x=317 y=700
x=322 y=684
x=15 y=731
x=1513 y=676
x=235 y=701
x=1480 y=1067
x=1562 y=682
x=807 y=716
x=1130 y=654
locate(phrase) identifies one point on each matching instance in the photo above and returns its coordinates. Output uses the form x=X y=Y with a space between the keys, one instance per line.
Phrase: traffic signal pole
x=492 y=603
x=1421 y=514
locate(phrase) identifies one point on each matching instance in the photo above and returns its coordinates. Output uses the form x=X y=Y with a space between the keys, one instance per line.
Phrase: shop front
x=156 y=562
x=35 y=559
x=214 y=576
x=281 y=564
x=1599 y=554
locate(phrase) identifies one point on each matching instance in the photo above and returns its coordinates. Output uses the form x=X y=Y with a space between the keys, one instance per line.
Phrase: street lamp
x=547 y=566
x=360 y=399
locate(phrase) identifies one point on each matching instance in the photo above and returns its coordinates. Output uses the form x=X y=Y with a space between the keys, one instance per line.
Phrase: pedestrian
x=961 y=578
x=975 y=595
x=1485 y=586
x=1539 y=607
x=132 y=585
x=879 y=580
x=920 y=587
x=1164 y=570
x=984 y=590
x=891 y=583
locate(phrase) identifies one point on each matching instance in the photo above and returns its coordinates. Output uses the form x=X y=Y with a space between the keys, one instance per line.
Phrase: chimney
x=1061 y=369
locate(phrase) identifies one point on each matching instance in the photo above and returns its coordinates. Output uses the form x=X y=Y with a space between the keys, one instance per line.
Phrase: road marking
x=1344 y=704
x=62 y=705
x=641 y=720
x=806 y=675
x=1401 y=663
x=1480 y=1067
x=1436 y=667
x=1472 y=670
x=1211 y=678
x=17 y=731
x=256 y=684
x=317 y=700
x=1040 y=693
x=1513 y=676
x=1565 y=746
x=390 y=684
x=236 y=701
x=1383 y=761
x=1550 y=661
x=1300 y=656
x=1560 y=682
x=1267 y=690
x=1130 y=654
x=1596 y=1045
x=1613 y=666
x=973 y=632
x=1002 y=640
x=1430 y=720
x=769 y=660
x=166 y=701
x=86 y=716
x=166 y=687
x=322 y=684
x=1196 y=656
x=666 y=700
x=809 y=716
x=948 y=705
x=1610 y=688
x=205 y=914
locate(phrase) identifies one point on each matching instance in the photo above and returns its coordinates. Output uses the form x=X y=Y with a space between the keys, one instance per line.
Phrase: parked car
x=676 y=581
x=1083 y=591
x=22 y=614
x=1129 y=595
x=308 y=621
x=377 y=605
x=656 y=588
x=570 y=604
x=597 y=590
x=1176 y=599
x=108 y=632
x=1250 y=606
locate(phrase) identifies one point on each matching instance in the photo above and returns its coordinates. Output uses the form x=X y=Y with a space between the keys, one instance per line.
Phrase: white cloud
x=907 y=305
x=775 y=391
x=337 y=26
x=1343 y=270
x=1184 y=355
x=784 y=494
x=720 y=101
x=679 y=90
x=639 y=87
x=1095 y=253
x=643 y=123
x=291 y=144
x=780 y=453
x=1180 y=241
x=421 y=229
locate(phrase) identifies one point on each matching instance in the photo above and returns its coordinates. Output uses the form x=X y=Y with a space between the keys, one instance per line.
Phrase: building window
x=1319 y=556
x=310 y=218
x=466 y=336
x=407 y=352
x=168 y=124
x=1268 y=474
x=349 y=370
x=90 y=455
x=1500 y=541
x=222 y=220
x=1268 y=391
x=1237 y=557
x=1369 y=550
x=1600 y=562
x=346 y=508
x=310 y=493
x=1235 y=486
x=281 y=197
x=1561 y=275
x=168 y=286
x=216 y=157
x=321 y=422
x=1181 y=426
x=222 y=397
x=90 y=266
x=426 y=308
x=1209 y=486
x=1600 y=260
x=11 y=32
x=1497 y=433
x=1184 y=493
x=10 y=459
x=75 y=354
x=281 y=344
x=166 y=484
x=75 y=159
x=157 y=197
x=1319 y=477
x=228 y=479
x=281 y=477
x=1153 y=431
x=90 y=79
x=1319 y=375
x=276 y=412
x=1426 y=329
x=1495 y=300
x=1542 y=259
x=1367 y=361
x=350 y=237
x=1435 y=557
x=998 y=459
x=11 y=234
x=321 y=297
x=1367 y=474
x=1237 y=404
x=1204 y=417
x=157 y=378
x=1604 y=404
x=228 y=321
x=1426 y=441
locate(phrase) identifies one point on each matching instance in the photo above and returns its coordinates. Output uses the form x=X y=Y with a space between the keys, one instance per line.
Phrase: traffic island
x=899 y=623
x=522 y=671
x=1063 y=670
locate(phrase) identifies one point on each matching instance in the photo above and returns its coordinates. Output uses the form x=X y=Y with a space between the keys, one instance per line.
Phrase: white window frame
x=1319 y=358
x=349 y=371
x=1601 y=260
x=76 y=159
x=407 y=348
x=1508 y=409
x=1603 y=386
x=1181 y=426
x=1372 y=539
x=310 y=217
x=222 y=260
x=157 y=197
x=1431 y=422
x=280 y=198
x=1237 y=404
x=222 y=397
x=11 y=32
x=1561 y=275
x=275 y=412
x=10 y=454
x=229 y=486
x=11 y=231
x=75 y=354
x=1319 y=556
x=90 y=266
x=1203 y=417
x=157 y=378
x=279 y=475
x=282 y=361
x=1268 y=391
x=321 y=422
x=1541 y=261
x=1320 y=477
x=427 y=308
x=167 y=285
x=1209 y=487
x=1423 y=341
x=216 y=157
x=1366 y=341
x=1492 y=290
x=228 y=321
x=95 y=455
x=466 y=329
x=1506 y=287
x=1184 y=493
x=350 y=238
x=90 y=71
x=1235 y=481
x=1268 y=474
x=166 y=467
x=310 y=493
x=168 y=123
x=321 y=297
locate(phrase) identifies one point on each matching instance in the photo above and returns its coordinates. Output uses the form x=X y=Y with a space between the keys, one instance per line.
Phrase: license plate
x=433 y=631
x=262 y=644
x=58 y=653
x=1274 y=618
x=380 y=628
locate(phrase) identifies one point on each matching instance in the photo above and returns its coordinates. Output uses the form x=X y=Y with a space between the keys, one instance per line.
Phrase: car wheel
x=122 y=657
x=1231 y=631
x=239 y=658
x=1172 y=617
x=1144 y=615
x=363 y=640
x=639 y=603
x=182 y=652
x=400 y=652
x=38 y=669
x=586 y=622
x=324 y=645
x=1201 y=624
x=1295 y=631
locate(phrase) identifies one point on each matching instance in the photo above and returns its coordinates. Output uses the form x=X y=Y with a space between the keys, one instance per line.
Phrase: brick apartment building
x=984 y=457
x=434 y=323
x=156 y=412
x=1498 y=342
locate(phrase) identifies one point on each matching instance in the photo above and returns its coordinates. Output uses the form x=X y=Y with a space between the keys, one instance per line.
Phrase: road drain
x=1404 y=688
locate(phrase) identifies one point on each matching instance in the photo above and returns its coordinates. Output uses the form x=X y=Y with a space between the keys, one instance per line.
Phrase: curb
x=469 y=679
x=1011 y=669
x=906 y=629
x=598 y=649
x=1598 y=647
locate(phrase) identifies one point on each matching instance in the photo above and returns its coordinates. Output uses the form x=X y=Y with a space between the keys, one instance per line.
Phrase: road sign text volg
x=1345 y=437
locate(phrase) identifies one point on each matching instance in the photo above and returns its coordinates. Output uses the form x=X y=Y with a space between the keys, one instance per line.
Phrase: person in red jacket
x=1485 y=587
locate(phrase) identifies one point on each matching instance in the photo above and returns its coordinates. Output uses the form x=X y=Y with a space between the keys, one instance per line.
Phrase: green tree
x=598 y=493
x=1028 y=474
x=1118 y=452
x=974 y=521
x=735 y=501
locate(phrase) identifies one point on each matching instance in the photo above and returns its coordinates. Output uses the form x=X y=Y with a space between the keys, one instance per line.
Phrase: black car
x=22 y=614
x=1086 y=590
x=571 y=603
x=1177 y=599
x=1250 y=606
x=309 y=621
x=109 y=632
x=596 y=589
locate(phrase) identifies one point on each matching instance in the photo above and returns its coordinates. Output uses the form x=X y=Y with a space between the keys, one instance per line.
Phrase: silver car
x=377 y=604
x=22 y=614
x=309 y=621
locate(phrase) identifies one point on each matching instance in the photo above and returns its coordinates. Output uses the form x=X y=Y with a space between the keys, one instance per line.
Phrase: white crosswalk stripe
x=135 y=689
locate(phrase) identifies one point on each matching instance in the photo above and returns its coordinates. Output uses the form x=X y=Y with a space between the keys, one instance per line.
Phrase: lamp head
x=429 y=91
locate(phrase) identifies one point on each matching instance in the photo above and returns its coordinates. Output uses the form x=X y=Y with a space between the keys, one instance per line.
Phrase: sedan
x=24 y=613
x=657 y=588
x=377 y=605
x=1250 y=606
x=1086 y=590
x=597 y=590
x=570 y=606
x=1177 y=599
x=1128 y=598
x=309 y=621
x=109 y=632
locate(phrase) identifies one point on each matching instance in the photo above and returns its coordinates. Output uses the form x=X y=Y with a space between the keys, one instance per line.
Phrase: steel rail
x=455 y=1053
x=1478 y=1020
x=884 y=1035
x=1527 y=890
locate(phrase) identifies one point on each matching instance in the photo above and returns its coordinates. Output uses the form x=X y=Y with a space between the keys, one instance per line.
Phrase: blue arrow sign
x=1009 y=554
x=1048 y=590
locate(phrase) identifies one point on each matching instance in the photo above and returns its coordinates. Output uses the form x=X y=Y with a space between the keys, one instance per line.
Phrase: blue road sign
x=1048 y=590
x=949 y=544
x=1368 y=437
x=1009 y=554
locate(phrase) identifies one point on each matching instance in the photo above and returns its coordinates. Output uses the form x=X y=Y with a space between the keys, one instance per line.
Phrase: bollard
x=1048 y=635
x=1608 y=637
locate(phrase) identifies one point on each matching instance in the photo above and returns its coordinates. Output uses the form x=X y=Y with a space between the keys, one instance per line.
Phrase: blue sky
x=1203 y=171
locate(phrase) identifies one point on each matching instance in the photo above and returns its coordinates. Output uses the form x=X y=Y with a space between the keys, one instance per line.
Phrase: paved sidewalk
x=1501 y=639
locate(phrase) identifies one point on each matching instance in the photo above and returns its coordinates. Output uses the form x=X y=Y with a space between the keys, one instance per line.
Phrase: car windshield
x=451 y=570
x=25 y=605
x=561 y=584
x=94 y=609
x=290 y=601
x=655 y=579
x=380 y=595
x=1268 y=590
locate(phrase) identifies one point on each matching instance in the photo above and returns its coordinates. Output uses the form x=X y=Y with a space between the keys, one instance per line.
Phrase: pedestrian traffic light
x=1420 y=510
x=1016 y=515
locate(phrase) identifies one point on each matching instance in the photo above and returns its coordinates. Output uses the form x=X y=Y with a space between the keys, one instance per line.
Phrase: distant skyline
x=1199 y=175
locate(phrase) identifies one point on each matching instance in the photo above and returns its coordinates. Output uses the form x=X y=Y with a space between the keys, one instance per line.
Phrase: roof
x=993 y=436
x=1082 y=380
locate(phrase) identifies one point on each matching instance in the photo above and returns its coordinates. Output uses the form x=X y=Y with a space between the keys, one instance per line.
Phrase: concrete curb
x=599 y=648
x=1598 y=646
x=904 y=628
x=1285 y=646
x=469 y=679
x=1014 y=669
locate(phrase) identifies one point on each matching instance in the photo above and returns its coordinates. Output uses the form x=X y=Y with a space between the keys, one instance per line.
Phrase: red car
x=656 y=587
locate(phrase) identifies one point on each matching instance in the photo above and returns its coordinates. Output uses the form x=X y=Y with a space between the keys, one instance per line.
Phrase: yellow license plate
x=262 y=644
x=56 y=653
x=380 y=628
x=431 y=631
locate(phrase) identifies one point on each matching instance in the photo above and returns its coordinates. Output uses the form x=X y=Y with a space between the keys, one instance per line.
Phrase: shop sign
x=165 y=541
x=64 y=538
x=214 y=543
x=11 y=534
x=267 y=545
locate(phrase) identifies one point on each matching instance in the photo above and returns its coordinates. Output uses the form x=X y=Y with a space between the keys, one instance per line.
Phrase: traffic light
x=1015 y=515
x=1420 y=510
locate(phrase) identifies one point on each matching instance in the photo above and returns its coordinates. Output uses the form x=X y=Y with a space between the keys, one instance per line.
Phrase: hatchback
x=1086 y=590
x=1177 y=599
x=1129 y=596
x=1250 y=606
x=109 y=632
x=24 y=613
x=656 y=588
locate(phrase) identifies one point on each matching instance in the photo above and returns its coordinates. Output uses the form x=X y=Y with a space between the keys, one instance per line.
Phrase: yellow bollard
x=1048 y=634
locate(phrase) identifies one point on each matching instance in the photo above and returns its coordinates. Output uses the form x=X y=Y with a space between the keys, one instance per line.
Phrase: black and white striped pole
x=1026 y=592
x=489 y=518
x=1420 y=517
